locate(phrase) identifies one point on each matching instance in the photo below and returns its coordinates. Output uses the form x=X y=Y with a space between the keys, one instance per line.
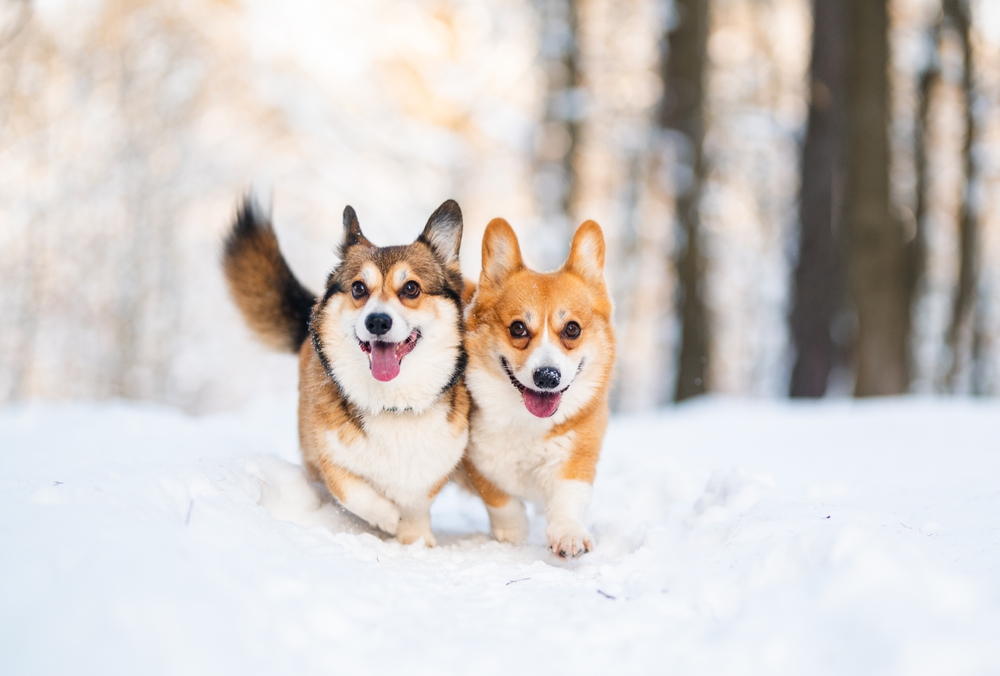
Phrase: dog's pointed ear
x=443 y=232
x=586 y=254
x=352 y=232
x=501 y=253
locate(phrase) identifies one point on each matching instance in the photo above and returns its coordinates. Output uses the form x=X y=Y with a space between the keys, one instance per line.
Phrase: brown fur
x=508 y=292
x=273 y=302
x=434 y=279
x=437 y=489
x=336 y=479
x=588 y=427
x=284 y=314
x=491 y=495
x=322 y=407
x=460 y=405
x=468 y=292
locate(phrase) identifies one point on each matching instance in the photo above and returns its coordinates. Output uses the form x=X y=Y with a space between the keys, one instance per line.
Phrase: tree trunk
x=959 y=338
x=818 y=283
x=929 y=78
x=682 y=115
x=927 y=85
x=879 y=266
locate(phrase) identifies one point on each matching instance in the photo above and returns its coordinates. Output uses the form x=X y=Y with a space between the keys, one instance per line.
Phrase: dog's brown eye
x=571 y=330
x=518 y=329
x=359 y=290
x=411 y=289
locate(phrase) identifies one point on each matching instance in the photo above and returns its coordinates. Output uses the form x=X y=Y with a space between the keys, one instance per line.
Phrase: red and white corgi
x=541 y=352
x=383 y=409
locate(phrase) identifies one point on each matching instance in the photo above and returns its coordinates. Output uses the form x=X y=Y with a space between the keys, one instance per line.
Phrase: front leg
x=508 y=520
x=415 y=523
x=564 y=510
x=569 y=495
x=358 y=497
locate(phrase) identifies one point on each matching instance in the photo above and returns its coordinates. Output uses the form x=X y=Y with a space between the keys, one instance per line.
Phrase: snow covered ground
x=732 y=538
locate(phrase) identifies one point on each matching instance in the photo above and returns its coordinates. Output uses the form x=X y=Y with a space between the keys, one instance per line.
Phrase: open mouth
x=539 y=404
x=384 y=358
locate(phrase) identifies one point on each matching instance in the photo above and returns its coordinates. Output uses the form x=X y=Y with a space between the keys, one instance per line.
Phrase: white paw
x=411 y=532
x=385 y=516
x=515 y=535
x=569 y=540
x=509 y=523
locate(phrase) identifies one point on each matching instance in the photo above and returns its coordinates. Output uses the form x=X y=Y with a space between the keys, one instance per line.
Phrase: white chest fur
x=403 y=455
x=511 y=447
x=520 y=459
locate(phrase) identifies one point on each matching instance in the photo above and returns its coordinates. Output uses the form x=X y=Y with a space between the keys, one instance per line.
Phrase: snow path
x=732 y=538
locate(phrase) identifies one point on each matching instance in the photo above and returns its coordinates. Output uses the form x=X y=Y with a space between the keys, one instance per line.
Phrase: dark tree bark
x=819 y=290
x=879 y=264
x=929 y=78
x=959 y=338
x=682 y=115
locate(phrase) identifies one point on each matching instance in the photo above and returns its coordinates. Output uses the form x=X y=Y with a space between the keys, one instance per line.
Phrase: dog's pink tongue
x=541 y=404
x=385 y=363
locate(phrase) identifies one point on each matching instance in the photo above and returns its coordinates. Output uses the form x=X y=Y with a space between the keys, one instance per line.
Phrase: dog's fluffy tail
x=275 y=304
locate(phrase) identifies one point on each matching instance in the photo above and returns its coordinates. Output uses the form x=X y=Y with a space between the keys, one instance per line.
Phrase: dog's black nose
x=378 y=323
x=546 y=377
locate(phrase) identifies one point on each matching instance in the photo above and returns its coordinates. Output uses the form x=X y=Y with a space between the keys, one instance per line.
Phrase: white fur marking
x=565 y=508
x=403 y=455
x=415 y=524
x=361 y=499
x=509 y=523
x=423 y=373
x=548 y=353
x=400 y=330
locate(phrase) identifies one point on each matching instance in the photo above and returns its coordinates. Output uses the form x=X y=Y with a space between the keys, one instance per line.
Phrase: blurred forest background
x=800 y=198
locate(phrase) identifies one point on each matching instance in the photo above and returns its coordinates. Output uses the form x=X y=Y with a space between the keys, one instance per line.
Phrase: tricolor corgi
x=541 y=352
x=383 y=408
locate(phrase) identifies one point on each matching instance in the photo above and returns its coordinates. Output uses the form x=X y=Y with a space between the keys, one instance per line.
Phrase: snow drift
x=732 y=538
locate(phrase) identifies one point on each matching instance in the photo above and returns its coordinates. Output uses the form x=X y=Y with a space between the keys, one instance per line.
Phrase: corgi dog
x=541 y=352
x=383 y=408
